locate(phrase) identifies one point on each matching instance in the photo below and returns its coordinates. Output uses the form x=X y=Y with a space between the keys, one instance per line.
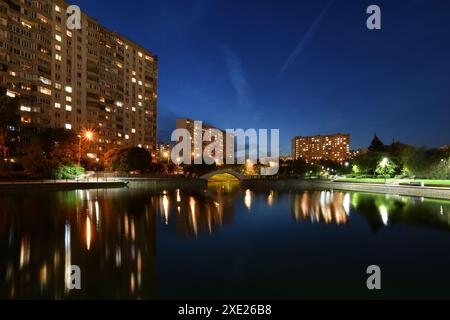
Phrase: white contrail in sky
x=304 y=41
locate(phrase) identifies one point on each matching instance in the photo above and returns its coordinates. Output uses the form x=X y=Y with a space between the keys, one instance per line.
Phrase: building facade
x=316 y=148
x=163 y=152
x=81 y=79
x=197 y=143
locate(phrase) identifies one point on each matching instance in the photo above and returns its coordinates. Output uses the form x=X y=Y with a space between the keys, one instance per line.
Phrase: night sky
x=305 y=67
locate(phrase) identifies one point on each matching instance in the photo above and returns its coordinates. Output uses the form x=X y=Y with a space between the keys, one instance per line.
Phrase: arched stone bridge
x=236 y=174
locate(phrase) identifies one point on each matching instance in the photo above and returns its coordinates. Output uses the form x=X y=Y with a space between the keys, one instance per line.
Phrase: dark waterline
x=224 y=242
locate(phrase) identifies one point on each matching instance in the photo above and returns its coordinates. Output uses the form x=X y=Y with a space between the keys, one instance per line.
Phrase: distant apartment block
x=316 y=148
x=163 y=152
x=197 y=148
x=91 y=78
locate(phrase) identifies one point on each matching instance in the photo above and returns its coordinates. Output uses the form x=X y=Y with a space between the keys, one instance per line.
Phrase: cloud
x=304 y=41
x=238 y=78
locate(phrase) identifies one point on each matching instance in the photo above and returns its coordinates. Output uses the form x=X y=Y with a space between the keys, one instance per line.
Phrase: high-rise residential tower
x=88 y=78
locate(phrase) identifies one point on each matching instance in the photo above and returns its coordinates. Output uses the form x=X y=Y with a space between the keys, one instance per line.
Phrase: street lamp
x=87 y=135
x=166 y=155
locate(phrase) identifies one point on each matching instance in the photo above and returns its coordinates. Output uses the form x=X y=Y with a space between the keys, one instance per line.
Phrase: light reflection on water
x=125 y=240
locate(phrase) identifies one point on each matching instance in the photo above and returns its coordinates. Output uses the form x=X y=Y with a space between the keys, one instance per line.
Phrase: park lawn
x=429 y=183
x=362 y=180
x=435 y=182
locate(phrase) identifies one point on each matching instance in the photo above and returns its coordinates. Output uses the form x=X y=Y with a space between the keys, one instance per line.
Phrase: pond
x=223 y=242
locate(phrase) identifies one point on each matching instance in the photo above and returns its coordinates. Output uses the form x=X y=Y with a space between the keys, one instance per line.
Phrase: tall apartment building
x=316 y=148
x=188 y=124
x=91 y=78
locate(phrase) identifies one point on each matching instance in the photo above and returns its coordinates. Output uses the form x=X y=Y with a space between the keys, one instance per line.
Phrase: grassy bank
x=406 y=182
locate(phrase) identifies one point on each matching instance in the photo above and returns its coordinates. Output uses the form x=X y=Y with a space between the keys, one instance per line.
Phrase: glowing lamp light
x=89 y=135
x=384 y=162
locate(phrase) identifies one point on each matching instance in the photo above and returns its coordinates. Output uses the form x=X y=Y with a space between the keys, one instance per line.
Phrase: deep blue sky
x=296 y=66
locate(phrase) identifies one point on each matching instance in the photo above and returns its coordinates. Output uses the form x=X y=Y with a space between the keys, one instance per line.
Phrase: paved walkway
x=63 y=184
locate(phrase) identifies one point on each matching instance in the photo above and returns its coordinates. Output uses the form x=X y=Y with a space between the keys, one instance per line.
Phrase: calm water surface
x=224 y=242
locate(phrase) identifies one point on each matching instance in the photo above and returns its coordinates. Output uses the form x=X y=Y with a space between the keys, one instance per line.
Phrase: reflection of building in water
x=110 y=235
x=196 y=213
x=321 y=206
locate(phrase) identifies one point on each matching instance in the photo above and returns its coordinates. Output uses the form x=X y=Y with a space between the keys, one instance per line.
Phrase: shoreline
x=183 y=183
x=61 y=185
x=412 y=191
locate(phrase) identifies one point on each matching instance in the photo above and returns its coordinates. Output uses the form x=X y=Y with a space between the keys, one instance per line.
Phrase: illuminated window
x=133 y=80
x=11 y=94
x=57 y=47
x=69 y=33
x=69 y=89
x=68 y=108
x=57 y=9
x=140 y=54
x=58 y=57
x=45 y=80
x=58 y=37
x=127 y=137
x=45 y=91
x=69 y=99
x=25 y=119
x=58 y=86
x=26 y=24
x=25 y=108
x=57 y=105
x=133 y=130
x=68 y=126
x=119 y=104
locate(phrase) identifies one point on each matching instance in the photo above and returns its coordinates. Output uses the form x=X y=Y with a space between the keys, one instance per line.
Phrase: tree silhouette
x=8 y=118
x=377 y=145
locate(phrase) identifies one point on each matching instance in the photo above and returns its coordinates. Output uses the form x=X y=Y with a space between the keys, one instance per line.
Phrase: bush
x=128 y=159
x=68 y=172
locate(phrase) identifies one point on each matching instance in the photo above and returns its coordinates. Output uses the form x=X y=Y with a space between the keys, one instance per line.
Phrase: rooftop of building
x=115 y=33
x=323 y=136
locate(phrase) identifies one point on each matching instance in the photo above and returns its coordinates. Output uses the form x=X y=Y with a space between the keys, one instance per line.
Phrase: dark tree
x=9 y=108
x=128 y=159
x=377 y=145
x=50 y=150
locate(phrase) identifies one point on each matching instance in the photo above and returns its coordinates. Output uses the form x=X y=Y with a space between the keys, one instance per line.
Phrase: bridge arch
x=236 y=174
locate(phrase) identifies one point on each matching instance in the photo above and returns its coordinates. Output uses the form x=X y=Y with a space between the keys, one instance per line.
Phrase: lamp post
x=87 y=135
x=166 y=155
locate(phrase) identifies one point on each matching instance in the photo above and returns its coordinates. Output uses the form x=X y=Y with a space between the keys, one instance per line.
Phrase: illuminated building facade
x=163 y=152
x=316 y=148
x=189 y=125
x=75 y=79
